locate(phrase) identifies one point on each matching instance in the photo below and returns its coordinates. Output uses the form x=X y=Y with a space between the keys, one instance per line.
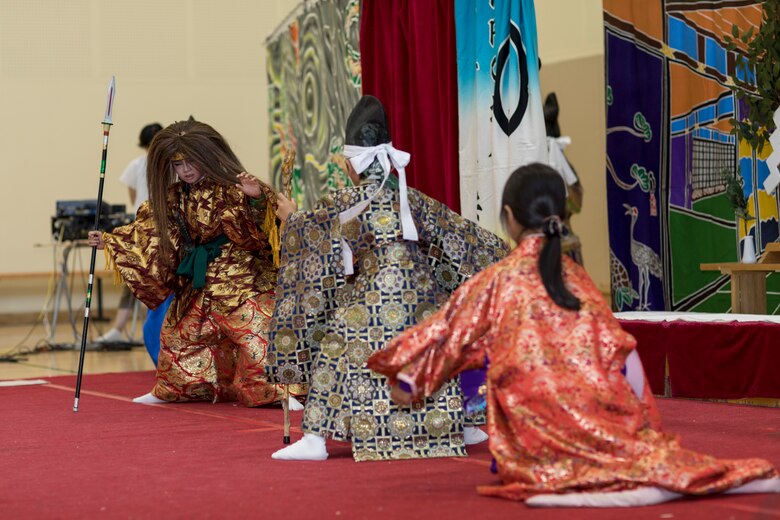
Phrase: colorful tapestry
x=499 y=101
x=668 y=148
x=313 y=63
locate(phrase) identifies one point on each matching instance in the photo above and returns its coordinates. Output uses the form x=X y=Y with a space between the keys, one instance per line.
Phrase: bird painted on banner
x=645 y=259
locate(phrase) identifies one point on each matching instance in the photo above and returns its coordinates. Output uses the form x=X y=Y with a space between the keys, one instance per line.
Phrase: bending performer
x=367 y=262
x=202 y=238
x=566 y=427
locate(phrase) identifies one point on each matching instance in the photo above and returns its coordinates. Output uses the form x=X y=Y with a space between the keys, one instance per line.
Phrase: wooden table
x=748 y=281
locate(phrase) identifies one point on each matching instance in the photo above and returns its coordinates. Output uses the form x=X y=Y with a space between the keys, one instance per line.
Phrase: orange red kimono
x=561 y=415
x=214 y=339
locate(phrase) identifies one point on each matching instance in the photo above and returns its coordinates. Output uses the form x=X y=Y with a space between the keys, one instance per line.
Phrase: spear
x=107 y=122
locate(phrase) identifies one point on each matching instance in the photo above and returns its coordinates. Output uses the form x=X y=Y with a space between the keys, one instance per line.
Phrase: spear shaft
x=107 y=122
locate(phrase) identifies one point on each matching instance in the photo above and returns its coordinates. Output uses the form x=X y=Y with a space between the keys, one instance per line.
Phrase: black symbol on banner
x=513 y=43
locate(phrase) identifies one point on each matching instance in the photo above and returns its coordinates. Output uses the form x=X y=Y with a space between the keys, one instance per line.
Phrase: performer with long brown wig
x=566 y=427
x=206 y=237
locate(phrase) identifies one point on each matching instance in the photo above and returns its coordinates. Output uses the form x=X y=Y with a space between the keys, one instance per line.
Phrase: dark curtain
x=409 y=62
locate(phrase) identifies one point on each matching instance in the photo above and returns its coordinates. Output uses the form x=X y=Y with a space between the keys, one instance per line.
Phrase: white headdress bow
x=361 y=157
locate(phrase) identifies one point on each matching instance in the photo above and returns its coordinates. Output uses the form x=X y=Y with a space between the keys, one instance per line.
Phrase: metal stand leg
x=62 y=288
x=99 y=298
x=134 y=321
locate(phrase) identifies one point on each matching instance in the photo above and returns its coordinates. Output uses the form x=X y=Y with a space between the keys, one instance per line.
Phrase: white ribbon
x=361 y=157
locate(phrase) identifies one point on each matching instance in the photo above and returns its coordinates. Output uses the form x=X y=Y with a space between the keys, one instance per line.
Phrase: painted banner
x=501 y=122
x=669 y=148
x=314 y=80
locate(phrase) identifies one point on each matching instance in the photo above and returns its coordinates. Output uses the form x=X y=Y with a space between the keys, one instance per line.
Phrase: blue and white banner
x=499 y=101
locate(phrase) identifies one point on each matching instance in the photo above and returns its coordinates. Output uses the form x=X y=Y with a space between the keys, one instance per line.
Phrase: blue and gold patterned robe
x=326 y=324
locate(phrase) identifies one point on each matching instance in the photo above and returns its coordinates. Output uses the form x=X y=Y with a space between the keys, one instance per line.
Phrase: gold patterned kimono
x=561 y=415
x=214 y=339
x=326 y=324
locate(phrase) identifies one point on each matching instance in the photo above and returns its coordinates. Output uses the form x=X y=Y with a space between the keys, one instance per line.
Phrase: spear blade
x=108 y=118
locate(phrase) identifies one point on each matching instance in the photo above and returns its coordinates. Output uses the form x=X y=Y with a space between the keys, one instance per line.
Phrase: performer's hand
x=284 y=207
x=249 y=184
x=400 y=396
x=95 y=239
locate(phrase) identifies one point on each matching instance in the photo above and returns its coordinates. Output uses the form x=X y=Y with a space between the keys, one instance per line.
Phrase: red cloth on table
x=711 y=360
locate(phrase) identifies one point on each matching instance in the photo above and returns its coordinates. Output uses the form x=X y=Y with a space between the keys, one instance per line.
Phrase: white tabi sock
x=148 y=399
x=294 y=405
x=643 y=496
x=764 y=485
x=473 y=435
x=310 y=447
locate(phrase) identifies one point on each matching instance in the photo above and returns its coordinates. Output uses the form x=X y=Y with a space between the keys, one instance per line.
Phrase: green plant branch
x=762 y=60
x=735 y=193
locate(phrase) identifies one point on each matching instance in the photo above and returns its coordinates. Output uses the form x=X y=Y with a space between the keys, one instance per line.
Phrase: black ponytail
x=536 y=195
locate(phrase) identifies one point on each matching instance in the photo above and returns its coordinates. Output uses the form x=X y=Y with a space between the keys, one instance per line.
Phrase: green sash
x=194 y=263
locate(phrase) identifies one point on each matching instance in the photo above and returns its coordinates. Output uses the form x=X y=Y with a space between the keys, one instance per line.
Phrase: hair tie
x=552 y=226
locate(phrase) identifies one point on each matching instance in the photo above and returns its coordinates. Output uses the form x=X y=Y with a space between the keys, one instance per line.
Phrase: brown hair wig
x=199 y=144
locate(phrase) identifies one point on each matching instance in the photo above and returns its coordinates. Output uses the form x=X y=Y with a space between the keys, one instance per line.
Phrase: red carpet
x=117 y=459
